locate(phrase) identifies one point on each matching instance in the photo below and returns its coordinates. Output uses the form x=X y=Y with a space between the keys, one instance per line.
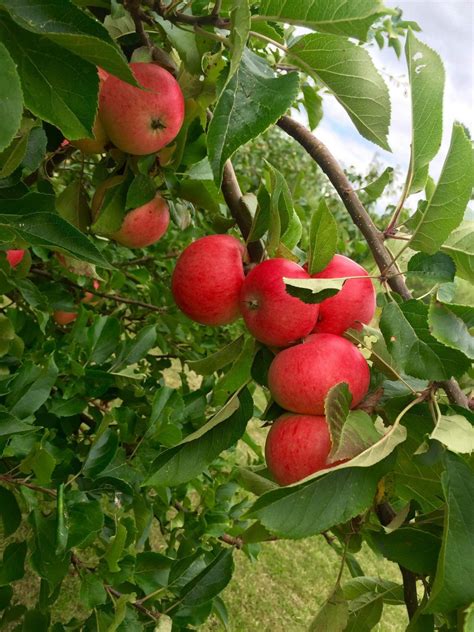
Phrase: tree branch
x=10 y=480
x=375 y=238
x=233 y=197
x=213 y=19
x=152 y=614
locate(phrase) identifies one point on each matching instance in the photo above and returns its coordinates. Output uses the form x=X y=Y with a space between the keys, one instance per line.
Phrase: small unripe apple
x=142 y=121
x=271 y=314
x=297 y=446
x=300 y=377
x=144 y=225
x=207 y=279
x=353 y=305
x=15 y=257
x=97 y=144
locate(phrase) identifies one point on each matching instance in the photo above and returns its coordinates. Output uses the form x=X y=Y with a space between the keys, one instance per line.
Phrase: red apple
x=271 y=314
x=97 y=144
x=142 y=121
x=353 y=305
x=144 y=225
x=297 y=446
x=300 y=377
x=207 y=279
x=15 y=257
x=64 y=318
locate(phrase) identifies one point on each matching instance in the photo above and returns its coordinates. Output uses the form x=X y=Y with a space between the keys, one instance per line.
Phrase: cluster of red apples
x=138 y=121
x=210 y=286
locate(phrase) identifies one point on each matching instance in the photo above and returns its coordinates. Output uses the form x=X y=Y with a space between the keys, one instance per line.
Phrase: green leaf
x=336 y=408
x=114 y=551
x=10 y=513
x=63 y=22
x=455 y=432
x=366 y=596
x=295 y=511
x=12 y=566
x=426 y=73
x=253 y=99
x=313 y=104
x=217 y=360
x=101 y=454
x=141 y=191
x=323 y=236
x=85 y=520
x=64 y=92
x=190 y=457
x=415 y=549
x=184 y=42
x=437 y=268
x=31 y=388
x=460 y=247
x=451 y=328
x=43 y=559
x=332 y=615
x=348 y=72
x=358 y=434
x=352 y=19
x=239 y=31
x=210 y=581
x=453 y=587
x=103 y=338
x=46 y=229
x=375 y=189
x=414 y=350
x=73 y=205
x=469 y=620
x=136 y=348
x=238 y=375
x=445 y=209
x=285 y=224
x=254 y=482
x=32 y=202
x=313 y=290
x=11 y=99
x=152 y=571
x=92 y=592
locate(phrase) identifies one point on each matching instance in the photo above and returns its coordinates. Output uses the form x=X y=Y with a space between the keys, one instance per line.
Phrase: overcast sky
x=448 y=27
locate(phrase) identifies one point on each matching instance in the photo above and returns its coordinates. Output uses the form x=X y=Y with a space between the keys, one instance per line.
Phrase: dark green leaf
x=44 y=560
x=452 y=587
x=437 y=268
x=210 y=581
x=32 y=202
x=355 y=83
x=336 y=408
x=357 y=435
x=31 y=388
x=9 y=512
x=237 y=375
x=254 y=482
x=294 y=512
x=152 y=571
x=64 y=23
x=323 y=236
x=12 y=566
x=189 y=458
x=240 y=26
x=73 y=206
x=451 y=328
x=313 y=104
x=64 y=93
x=11 y=99
x=217 y=360
x=136 y=348
x=46 y=229
x=445 y=209
x=413 y=548
x=101 y=454
x=85 y=520
x=92 y=591
x=426 y=72
x=252 y=100
x=333 y=614
x=103 y=338
x=313 y=290
x=352 y=19
x=141 y=191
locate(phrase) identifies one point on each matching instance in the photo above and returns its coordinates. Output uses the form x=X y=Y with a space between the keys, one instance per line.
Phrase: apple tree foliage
x=121 y=463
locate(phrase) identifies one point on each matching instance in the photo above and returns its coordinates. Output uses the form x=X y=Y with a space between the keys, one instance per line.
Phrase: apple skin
x=207 y=279
x=97 y=144
x=300 y=377
x=141 y=121
x=144 y=225
x=15 y=257
x=64 y=318
x=271 y=314
x=353 y=305
x=297 y=446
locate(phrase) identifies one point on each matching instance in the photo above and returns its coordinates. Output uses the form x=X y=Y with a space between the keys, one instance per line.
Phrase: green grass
x=282 y=591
